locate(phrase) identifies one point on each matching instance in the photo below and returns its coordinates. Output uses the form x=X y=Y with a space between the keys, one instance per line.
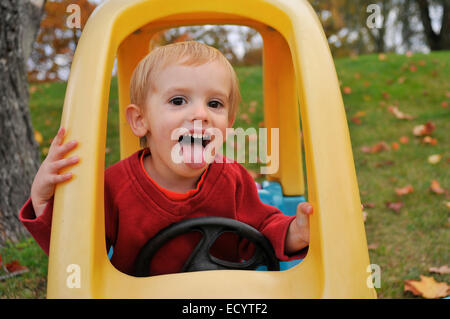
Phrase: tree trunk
x=19 y=152
x=441 y=40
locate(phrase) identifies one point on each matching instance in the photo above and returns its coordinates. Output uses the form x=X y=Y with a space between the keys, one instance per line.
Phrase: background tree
x=436 y=40
x=56 y=42
x=19 y=154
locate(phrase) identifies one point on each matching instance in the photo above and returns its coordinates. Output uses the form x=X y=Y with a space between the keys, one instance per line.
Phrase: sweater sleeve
x=269 y=220
x=39 y=227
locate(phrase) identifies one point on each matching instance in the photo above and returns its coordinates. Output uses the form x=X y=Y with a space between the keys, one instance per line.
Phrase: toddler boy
x=183 y=97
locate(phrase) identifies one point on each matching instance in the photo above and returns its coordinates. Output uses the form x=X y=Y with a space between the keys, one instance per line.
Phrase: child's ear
x=136 y=120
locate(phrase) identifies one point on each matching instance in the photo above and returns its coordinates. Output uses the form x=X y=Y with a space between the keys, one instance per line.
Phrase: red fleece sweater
x=136 y=209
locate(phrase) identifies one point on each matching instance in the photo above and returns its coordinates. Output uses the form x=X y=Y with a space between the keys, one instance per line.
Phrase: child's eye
x=178 y=101
x=215 y=104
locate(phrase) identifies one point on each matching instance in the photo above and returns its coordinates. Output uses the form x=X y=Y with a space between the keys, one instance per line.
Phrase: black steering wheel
x=200 y=258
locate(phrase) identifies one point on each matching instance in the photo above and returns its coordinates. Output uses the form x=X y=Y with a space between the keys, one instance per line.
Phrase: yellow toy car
x=299 y=80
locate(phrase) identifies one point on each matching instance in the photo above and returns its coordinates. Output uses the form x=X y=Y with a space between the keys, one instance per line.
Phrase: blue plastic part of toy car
x=270 y=193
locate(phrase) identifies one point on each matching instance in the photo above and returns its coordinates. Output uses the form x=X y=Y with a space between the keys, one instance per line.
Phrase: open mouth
x=194 y=139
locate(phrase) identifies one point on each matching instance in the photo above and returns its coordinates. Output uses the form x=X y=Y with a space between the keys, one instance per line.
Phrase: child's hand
x=304 y=210
x=47 y=177
x=297 y=237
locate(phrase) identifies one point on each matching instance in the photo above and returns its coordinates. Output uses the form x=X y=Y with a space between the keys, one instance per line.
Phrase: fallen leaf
x=436 y=187
x=395 y=146
x=366 y=84
x=424 y=129
x=399 y=114
x=413 y=68
x=253 y=103
x=447 y=204
x=347 y=90
x=434 y=159
x=404 y=190
x=409 y=54
x=429 y=140
x=368 y=205
x=32 y=89
x=382 y=57
x=395 y=206
x=15 y=266
x=356 y=120
x=447 y=94
x=381 y=146
x=404 y=139
x=245 y=117
x=427 y=287
x=38 y=137
x=401 y=79
x=444 y=104
x=386 y=95
x=440 y=270
x=372 y=246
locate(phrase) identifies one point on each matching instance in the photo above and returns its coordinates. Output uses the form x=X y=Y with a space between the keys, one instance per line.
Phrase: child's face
x=179 y=96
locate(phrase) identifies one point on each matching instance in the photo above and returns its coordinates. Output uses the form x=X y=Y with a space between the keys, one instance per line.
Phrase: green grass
x=409 y=241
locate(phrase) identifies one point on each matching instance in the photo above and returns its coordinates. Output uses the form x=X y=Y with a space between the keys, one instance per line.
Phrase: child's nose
x=200 y=112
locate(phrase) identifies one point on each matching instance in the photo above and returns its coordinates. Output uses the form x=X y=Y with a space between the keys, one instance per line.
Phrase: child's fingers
x=59 y=178
x=59 y=138
x=58 y=151
x=58 y=165
x=305 y=208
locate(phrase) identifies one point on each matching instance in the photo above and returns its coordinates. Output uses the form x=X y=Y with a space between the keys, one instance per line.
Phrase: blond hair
x=183 y=53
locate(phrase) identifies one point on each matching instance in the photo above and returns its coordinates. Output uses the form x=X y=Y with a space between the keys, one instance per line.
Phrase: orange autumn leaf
x=15 y=266
x=399 y=114
x=381 y=146
x=429 y=140
x=38 y=137
x=404 y=190
x=395 y=206
x=427 y=287
x=395 y=146
x=436 y=187
x=356 y=120
x=347 y=90
x=404 y=139
x=424 y=129
x=382 y=57
x=413 y=68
